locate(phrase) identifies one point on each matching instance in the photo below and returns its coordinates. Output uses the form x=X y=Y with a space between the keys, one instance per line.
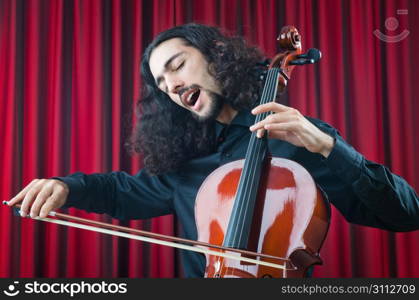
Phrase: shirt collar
x=243 y=118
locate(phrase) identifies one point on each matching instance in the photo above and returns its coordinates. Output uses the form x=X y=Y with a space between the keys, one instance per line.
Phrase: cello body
x=290 y=219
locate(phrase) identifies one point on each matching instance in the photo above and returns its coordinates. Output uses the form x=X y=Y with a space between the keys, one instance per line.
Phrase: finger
x=30 y=197
x=272 y=119
x=260 y=133
x=19 y=197
x=258 y=126
x=282 y=135
x=47 y=207
x=290 y=126
x=56 y=200
x=261 y=124
x=271 y=106
x=50 y=204
x=40 y=199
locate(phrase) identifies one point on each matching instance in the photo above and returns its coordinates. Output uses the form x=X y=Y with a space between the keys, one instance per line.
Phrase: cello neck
x=238 y=229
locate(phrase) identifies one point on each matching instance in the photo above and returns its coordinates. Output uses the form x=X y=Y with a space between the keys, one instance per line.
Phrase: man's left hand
x=288 y=124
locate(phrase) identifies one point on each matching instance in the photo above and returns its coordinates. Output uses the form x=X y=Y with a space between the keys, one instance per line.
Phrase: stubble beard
x=216 y=103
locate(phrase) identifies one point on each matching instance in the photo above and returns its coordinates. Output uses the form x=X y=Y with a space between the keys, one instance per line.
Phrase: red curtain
x=69 y=79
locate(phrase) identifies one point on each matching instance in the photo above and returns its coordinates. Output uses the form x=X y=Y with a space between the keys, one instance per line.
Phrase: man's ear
x=211 y=69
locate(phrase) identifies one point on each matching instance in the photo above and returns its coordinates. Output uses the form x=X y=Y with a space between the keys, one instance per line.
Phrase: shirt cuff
x=344 y=161
x=75 y=185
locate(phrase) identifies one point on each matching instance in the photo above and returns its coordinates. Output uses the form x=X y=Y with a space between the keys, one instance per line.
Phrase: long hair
x=166 y=134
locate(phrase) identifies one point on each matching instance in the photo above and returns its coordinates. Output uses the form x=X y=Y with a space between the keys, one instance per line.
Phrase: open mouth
x=191 y=97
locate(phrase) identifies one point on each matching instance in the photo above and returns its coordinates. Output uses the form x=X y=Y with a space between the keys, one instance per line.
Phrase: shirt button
x=227 y=155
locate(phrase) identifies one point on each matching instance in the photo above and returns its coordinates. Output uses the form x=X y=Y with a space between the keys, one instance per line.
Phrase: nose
x=174 y=84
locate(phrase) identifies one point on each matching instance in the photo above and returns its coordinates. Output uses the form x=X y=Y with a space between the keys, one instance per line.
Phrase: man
x=200 y=100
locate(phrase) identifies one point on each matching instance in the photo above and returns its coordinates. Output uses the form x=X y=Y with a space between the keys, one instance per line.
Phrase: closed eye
x=180 y=66
x=174 y=69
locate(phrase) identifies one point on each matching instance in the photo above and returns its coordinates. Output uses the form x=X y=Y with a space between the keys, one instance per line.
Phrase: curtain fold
x=70 y=78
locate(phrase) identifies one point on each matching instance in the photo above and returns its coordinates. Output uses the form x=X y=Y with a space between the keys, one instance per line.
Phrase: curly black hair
x=166 y=134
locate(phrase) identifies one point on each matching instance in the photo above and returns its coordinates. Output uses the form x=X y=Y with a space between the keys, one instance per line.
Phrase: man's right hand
x=40 y=197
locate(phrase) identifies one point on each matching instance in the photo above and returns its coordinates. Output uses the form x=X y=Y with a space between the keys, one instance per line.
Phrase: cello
x=261 y=203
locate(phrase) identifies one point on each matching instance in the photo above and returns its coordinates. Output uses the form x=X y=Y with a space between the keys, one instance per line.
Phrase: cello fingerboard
x=239 y=226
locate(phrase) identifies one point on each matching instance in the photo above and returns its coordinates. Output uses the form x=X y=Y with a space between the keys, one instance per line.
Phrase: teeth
x=190 y=96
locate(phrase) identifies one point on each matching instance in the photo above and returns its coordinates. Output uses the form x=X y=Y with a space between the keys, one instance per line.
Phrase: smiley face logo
x=11 y=290
x=392 y=24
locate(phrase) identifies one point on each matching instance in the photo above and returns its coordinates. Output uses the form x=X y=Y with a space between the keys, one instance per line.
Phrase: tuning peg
x=313 y=55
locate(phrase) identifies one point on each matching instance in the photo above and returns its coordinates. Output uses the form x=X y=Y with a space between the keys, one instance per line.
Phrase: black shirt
x=365 y=193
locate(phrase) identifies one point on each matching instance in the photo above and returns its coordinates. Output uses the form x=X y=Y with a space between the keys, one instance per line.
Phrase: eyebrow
x=166 y=65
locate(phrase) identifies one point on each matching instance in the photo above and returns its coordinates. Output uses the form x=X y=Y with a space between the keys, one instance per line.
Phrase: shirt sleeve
x=372 y=195
x=121 y=195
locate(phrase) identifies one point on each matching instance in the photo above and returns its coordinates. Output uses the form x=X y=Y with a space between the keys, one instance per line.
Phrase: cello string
x=250 y=159
x=254 y=160
x=259 y=149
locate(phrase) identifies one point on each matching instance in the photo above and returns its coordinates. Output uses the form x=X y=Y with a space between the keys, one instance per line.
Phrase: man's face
x=181 y=72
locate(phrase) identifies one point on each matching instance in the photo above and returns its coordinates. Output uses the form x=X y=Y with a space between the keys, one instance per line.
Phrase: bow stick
x=161 y=239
